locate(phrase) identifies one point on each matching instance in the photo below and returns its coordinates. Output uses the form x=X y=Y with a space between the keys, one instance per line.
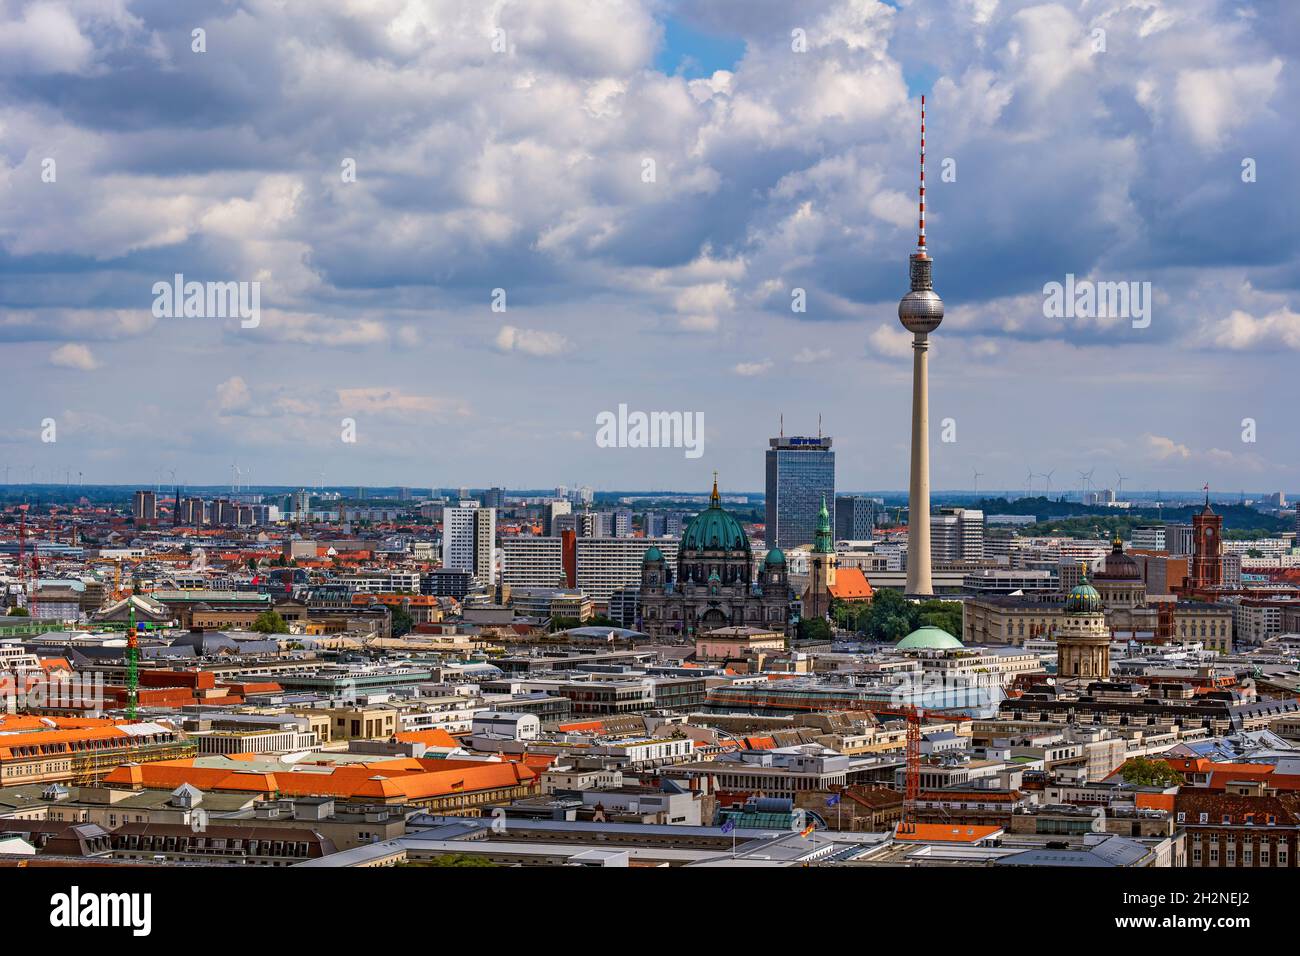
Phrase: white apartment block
x=383 y=583
x=468 y=541
x=532 y=562
x=1149 y=538
x=607 y=564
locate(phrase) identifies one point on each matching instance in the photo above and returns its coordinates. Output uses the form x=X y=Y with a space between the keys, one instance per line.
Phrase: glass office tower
x=799 y=472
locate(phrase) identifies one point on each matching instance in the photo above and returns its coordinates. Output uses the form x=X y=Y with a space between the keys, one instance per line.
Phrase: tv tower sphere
x=921 y=310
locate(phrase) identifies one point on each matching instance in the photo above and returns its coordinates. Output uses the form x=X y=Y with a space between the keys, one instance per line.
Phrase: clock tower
x=1207 y=548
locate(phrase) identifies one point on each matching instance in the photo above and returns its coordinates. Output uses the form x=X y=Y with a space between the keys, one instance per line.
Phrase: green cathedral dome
x=714 y=529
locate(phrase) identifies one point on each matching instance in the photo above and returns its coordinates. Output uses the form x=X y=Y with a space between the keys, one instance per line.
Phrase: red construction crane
x=28 y=587
x=912 y=776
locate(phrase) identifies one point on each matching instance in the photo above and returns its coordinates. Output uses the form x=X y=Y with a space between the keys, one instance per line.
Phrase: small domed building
x=1119 y=579
x=715 y=583
x=929 y=638
x=1082 y=638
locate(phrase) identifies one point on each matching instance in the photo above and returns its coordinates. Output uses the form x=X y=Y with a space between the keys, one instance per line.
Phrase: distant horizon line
x=1006 y=493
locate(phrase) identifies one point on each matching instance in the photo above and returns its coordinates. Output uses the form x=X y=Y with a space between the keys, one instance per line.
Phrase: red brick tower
x=1207 y=548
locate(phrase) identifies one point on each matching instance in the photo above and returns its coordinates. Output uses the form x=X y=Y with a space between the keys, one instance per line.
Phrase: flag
x=729 y=826
x=807 y=831
x=832 y=800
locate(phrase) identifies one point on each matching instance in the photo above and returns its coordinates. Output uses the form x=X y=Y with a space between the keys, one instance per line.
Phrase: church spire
x=824 y=543
x=715 y=500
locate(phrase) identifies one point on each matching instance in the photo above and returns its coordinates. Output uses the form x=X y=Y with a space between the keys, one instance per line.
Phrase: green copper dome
x=714 y=529
x=775 y=557
x=929 y=638
x=1084 y=599
x=652 y=554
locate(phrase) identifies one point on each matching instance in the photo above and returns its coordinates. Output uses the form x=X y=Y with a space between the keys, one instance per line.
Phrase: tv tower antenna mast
x=920 y=312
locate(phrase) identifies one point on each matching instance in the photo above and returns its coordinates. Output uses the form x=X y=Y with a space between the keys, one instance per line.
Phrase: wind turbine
x=1048 y=478
x=1085 y=483
x=1119 y=486
x=1029 y=484
x=978 y=475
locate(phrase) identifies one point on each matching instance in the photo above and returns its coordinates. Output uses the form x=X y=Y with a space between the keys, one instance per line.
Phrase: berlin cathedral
x=714 y=584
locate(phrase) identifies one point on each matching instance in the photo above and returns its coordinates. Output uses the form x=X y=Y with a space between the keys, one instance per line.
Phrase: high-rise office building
x=223 y=512
x=586 y=524
x=552 y=510
x=800 y=471
x=1149 y=538
x=956 y=534
x=494 y=498
x=855 y=518
x=654 y=525
x=469 y=541
x=622 y=523
x=1178 y=539
x=191 y=512
x=144 y=506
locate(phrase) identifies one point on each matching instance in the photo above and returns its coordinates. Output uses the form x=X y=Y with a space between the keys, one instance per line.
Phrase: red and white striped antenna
x=920 y=238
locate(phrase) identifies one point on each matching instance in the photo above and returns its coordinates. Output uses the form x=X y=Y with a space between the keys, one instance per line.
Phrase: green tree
x=1144 y=772
x=269 y=622
x=19 y=612
x=945 y=615
x=403 y=623
x=814 y=629
x=891 y=617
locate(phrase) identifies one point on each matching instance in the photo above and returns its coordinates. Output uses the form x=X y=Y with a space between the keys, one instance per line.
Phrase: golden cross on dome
x=714 y=499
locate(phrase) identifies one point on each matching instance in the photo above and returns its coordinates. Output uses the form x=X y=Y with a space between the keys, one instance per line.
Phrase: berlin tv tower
x=920 y=311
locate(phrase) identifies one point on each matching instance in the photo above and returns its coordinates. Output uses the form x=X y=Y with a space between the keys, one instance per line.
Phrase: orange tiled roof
x=434 y=737
x=1154 y=801
x=851 y=585
x=389 y=780
x=947 y=833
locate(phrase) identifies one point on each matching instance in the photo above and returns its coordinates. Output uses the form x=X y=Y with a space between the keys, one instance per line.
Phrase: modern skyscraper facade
x=800 y=471
x=855 y=518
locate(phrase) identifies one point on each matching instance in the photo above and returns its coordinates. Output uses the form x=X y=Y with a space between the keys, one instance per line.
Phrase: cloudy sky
x=648 y=182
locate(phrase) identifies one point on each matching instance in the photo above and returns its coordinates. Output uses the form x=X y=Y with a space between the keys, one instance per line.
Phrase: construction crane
x=132 y=667
x=26 y=584
x=912 y=775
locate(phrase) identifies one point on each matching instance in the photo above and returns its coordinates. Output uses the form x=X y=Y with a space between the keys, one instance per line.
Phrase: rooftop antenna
x=819 y=426
x=783 y=424
x=920 y=235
